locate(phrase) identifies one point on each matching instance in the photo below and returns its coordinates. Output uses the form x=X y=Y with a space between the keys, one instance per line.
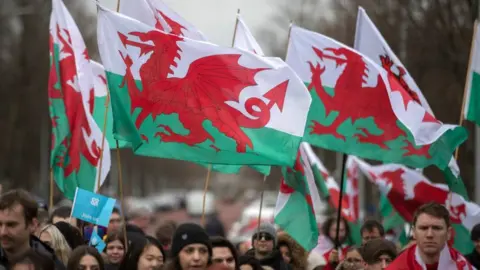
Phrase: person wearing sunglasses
x=264 y=242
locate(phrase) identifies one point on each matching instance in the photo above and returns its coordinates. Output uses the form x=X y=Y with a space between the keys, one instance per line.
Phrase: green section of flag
x=266 y=141
x=320 y=182
x=462 y=239
x=99 y=117
x=440 y=151
x=297 y=217
x=455 y=184
x=473 y=110
x=235 y=169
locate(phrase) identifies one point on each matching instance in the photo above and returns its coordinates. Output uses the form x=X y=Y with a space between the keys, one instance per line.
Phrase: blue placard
x=92 y=207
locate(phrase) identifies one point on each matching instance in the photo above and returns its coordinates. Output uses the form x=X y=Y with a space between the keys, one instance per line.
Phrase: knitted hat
x=475 y=234
x=373 y=249
x=268 y=229
x=187 y=234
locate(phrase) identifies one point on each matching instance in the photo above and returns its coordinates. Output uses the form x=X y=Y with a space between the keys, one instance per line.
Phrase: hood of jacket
x=298 y=253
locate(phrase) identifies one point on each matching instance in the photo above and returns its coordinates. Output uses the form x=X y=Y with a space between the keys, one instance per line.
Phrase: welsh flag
x=158 y=15
x=330 y=191
x=471 y=106
x=371 y=43
x=298 y=201
x=183 y=99
x=76 y=138
x=406 y=189
x=100 y=94
x=361 y=109
x=244 y=39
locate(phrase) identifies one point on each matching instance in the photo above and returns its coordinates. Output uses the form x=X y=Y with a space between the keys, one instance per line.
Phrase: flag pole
x=260 y=210
x=235 y=29
x=205 y=190
x=120 y=191
x=50 y=201
x=467 y=81
x=340 y=199
x=288 y=37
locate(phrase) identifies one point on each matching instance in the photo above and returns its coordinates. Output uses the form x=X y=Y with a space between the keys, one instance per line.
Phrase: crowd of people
x=33 y=238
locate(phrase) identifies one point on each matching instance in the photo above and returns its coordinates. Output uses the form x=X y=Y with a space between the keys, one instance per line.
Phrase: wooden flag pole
x=467 y=81
x=205 y=190
x=120 y=191
x=261 y=205
x=235 y=29
x=50 y=201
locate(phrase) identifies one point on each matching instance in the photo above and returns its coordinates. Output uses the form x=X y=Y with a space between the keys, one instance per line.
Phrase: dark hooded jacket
x=274 y=260
x=39 y=247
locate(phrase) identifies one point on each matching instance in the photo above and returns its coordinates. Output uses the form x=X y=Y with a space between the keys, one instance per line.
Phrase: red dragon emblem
x=200 y=95
x=350 y=94
x=66 y=75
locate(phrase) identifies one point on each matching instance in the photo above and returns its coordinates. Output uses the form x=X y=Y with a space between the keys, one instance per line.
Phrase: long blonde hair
x=59 y=244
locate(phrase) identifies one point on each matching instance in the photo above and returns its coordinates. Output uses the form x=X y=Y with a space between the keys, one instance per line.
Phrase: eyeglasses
x=263 y=237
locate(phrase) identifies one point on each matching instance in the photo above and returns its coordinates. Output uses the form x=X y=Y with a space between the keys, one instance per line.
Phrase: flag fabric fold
x=76 y=138
x=370 y=42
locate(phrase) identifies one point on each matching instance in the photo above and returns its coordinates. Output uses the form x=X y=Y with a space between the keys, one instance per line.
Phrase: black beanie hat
x=187 y=234
x=475 y=234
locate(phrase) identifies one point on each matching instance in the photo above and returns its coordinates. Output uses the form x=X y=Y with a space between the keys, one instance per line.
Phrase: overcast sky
x=216 y=18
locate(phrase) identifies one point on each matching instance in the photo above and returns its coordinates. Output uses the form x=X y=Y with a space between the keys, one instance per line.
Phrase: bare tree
x=24 y=66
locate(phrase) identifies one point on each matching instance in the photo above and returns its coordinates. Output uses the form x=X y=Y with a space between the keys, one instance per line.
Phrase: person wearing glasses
x=264 y=242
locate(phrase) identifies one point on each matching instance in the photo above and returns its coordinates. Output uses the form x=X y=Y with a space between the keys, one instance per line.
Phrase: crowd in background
x=32 y=237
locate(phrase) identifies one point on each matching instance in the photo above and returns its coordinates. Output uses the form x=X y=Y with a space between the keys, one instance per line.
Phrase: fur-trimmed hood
x=299 y=254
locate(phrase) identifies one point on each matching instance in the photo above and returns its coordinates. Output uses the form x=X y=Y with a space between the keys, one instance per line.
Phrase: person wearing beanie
x=474 y=257
x=191 y=248
x=224 y=253
x=264 y=242
x=378 y=253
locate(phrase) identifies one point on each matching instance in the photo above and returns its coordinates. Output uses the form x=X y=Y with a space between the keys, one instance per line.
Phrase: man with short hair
x=63 y=213
x=431 y=230
x=378 y=253
x=224 y=253
x=18 y=220
x=370 y=230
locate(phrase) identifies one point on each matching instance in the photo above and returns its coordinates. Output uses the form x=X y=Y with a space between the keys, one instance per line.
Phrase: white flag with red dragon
x=179 y=98
x=76 y=138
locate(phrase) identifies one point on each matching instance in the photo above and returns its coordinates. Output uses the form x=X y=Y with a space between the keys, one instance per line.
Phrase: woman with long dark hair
x=145 y=254
x=85 y=258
